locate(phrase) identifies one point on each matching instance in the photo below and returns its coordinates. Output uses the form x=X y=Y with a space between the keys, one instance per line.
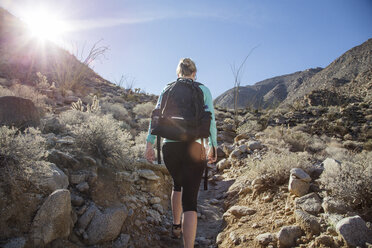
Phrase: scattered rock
x=155 y=217
x=53 y=219
x=122 y=241
x=82 y=187
x=106 y=226
x=287 y=236
x=307 y=222
x=235 y=154
x=78 y=178
x=18 y=242
x=148 y=174
x=299 y=182
x=324 y=241
x=243 y=148
x=354 y=231
x=48 y=176
x=331 y=164
x=240 y=211
x=265 y=239
x=223 y=164
x=62 y=159
x=155 y=200
x=86 y=218
x=331 y=206
x=300 y=174
x=310 y=203
x=254 y=145
x=77 y=200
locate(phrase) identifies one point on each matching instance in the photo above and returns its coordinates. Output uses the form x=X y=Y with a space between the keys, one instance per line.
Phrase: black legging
x=186 y=168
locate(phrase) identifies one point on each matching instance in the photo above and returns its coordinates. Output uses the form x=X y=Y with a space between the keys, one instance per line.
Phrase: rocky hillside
x=350 y=75
x=72 y=172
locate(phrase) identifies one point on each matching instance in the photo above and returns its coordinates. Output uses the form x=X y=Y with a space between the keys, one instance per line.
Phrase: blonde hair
x=186 y=67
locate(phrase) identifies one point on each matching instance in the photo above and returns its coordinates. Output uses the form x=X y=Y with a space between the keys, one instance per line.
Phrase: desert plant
x=139 y=145
x=276 y=166
x=102 y=136
x=70 y=74
x=237 y=73
x=351 y=181
x=118 y=111
x=91 y=108
x=22 y=147
x=144 y=109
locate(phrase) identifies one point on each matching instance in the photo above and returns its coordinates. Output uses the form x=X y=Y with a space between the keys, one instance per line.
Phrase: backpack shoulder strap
x=158 y=148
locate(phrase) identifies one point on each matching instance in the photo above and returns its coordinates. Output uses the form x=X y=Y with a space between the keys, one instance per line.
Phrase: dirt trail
x=210 y=221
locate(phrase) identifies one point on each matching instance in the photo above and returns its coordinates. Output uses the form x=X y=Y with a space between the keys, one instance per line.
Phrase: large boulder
x=106 y=226
x=18 y=112
x=49 y=177
x=354 y=231
x=22 y=191
x=53 y=219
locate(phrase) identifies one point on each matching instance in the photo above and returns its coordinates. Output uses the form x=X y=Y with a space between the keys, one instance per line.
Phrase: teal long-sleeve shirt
x=212 y=140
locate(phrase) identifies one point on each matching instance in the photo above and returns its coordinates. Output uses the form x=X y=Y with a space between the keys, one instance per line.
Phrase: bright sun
x=45 y=26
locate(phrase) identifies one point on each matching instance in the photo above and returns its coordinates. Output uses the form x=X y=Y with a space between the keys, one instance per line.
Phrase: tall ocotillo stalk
x=237 y=73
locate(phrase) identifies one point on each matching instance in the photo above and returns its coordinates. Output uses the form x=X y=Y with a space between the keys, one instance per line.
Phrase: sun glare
x=45 y=26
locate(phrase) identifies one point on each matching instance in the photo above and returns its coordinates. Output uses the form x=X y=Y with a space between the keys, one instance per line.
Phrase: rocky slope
x=298 y=178
x=349 y=75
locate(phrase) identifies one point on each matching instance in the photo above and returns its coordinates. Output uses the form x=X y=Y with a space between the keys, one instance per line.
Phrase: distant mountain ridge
x=352 y=70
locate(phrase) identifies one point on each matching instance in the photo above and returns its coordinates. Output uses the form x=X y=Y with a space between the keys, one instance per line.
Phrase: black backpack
x=181 y=115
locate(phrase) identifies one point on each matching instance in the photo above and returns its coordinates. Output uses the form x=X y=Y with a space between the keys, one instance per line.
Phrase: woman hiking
x=186 y=160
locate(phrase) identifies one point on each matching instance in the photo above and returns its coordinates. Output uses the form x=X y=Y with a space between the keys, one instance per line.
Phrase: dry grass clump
x=276 y=166
x=102 y=136
x=351 y=181
x=144 y=109
x=22 y=147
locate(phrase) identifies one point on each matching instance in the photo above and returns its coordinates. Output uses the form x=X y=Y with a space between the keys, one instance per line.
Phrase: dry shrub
x=23 y=147
x=143 y=124
x=276 y=166
x=72 y=117
x=250 y=126
x=140 y=144
x=350 y=182
x=296 y=140
x=118 y=111
x=102 y=136
x=144 y=109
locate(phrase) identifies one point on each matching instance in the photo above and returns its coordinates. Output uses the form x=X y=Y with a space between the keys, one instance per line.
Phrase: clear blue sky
x=147 y=38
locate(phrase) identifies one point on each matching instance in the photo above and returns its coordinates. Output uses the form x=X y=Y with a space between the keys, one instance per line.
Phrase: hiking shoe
x=176 y=231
